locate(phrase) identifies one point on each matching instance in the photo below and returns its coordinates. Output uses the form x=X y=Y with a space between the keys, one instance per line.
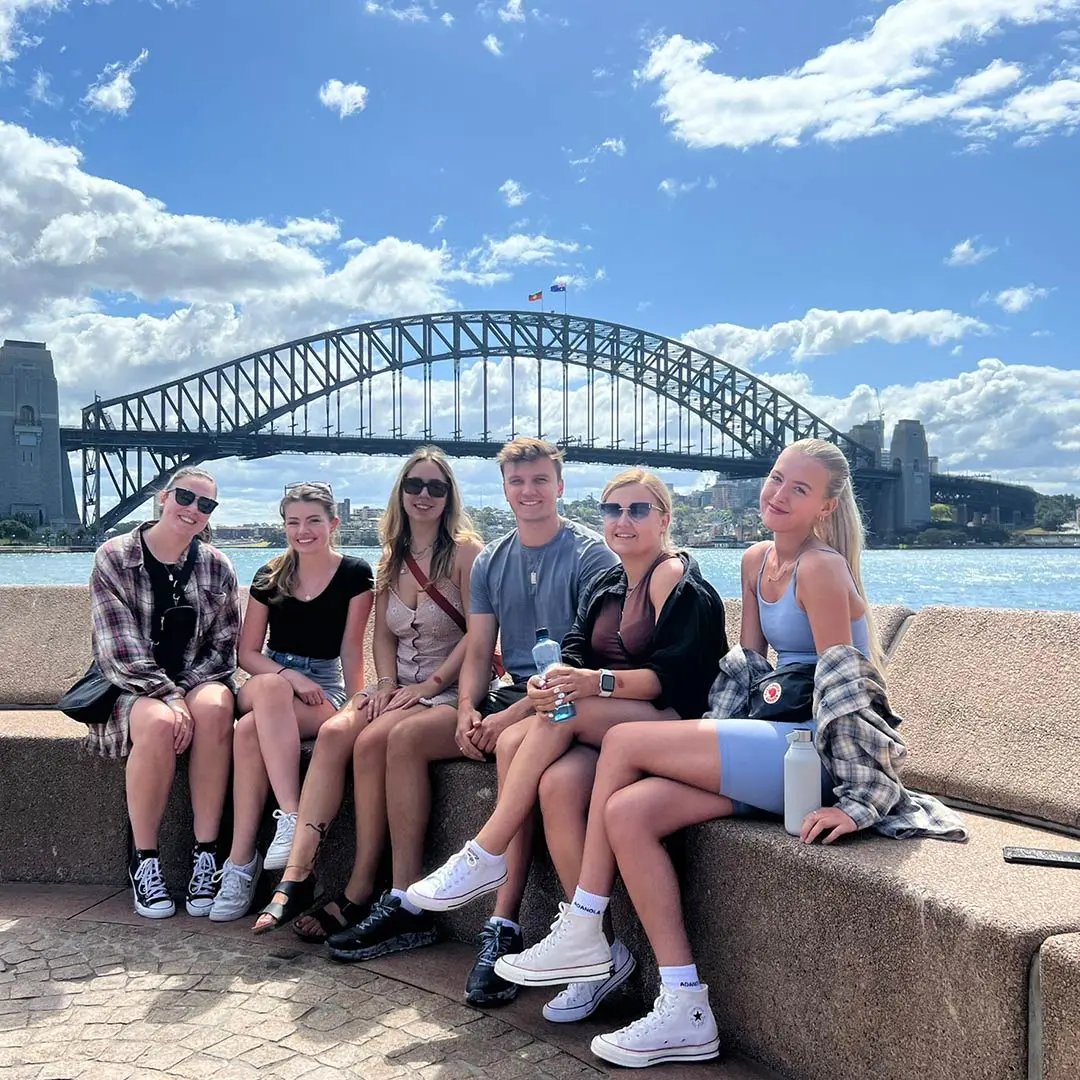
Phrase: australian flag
x=559 y=286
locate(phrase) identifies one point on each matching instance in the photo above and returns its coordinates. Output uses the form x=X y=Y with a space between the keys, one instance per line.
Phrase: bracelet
x=387 y=681
x=284 y=667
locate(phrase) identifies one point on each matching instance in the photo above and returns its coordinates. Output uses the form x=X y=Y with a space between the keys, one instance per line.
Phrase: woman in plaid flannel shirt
x=158 y=717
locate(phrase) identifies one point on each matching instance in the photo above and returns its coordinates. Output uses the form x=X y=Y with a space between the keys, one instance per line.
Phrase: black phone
x=1042 y=857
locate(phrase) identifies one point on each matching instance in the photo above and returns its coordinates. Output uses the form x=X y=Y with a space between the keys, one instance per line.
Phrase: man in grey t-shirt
x=532 y=577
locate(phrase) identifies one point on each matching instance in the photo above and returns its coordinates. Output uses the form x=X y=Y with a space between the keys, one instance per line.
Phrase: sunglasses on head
x=437 y=489
x=638 y=511
x=322 y=485
x=185 y=497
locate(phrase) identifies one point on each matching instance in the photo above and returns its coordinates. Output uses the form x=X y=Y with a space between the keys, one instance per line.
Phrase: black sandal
x=299 y=897
x=352 y=913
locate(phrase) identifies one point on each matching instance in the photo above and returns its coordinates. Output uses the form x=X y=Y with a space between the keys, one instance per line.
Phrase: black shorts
x=502 y=698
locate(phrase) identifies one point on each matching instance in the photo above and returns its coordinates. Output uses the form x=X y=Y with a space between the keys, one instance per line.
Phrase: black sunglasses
x=638 y=511
x=437 y=489
x=185 y=497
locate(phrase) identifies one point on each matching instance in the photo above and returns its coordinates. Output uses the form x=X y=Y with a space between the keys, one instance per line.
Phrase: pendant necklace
x=784 y=568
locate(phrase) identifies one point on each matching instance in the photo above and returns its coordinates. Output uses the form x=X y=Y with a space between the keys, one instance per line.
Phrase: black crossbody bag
x=785 y=695
x=92 y=698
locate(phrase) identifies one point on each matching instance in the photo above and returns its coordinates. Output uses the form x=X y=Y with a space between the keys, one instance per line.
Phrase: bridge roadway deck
x=89 y=990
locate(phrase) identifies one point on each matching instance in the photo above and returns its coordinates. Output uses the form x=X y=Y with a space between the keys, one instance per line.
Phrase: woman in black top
x=315 y=603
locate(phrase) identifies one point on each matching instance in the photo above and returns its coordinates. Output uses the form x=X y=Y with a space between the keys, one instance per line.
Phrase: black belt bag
x=785 y=695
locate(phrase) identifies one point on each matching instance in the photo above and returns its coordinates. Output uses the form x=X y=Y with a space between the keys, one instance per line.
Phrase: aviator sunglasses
x=437 y=489
x=185 y=497
x=638 y=511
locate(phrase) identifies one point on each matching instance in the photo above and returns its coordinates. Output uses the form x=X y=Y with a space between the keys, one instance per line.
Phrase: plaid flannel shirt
x=856 y=740
x=122 y=607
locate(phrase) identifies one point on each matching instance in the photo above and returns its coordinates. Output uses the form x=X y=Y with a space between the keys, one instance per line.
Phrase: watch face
x=607 y=682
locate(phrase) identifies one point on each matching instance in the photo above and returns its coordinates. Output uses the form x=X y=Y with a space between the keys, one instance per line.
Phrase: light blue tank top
x=787 y=628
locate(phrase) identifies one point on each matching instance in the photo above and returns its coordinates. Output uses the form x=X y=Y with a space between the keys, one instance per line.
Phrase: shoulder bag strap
x=436 y=596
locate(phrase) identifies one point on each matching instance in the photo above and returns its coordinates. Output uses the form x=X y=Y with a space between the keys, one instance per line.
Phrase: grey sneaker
x=277 y=854
x=236 y=889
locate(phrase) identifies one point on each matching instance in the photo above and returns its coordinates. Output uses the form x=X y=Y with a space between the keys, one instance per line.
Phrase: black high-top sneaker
x=152 y=899
x=202 y=888
x=484 y=987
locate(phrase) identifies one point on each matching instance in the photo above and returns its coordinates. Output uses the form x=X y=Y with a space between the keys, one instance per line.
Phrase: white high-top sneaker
x=681 y=1027
x=582 y=999
x=463 y=877
x=575 y=951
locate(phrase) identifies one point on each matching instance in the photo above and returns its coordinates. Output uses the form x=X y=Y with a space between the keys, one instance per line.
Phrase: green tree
x=940 y=538
x=11 y=529
x=941 y=512
x=1050 y=516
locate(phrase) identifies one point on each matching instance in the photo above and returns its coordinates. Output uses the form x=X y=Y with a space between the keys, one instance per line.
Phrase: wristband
x=386 y=681
x=284 y=667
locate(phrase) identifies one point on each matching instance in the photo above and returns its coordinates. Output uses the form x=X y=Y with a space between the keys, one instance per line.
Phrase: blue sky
x=837 y=196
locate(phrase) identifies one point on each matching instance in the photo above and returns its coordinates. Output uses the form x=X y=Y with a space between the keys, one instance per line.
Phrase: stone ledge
x=1059 y=981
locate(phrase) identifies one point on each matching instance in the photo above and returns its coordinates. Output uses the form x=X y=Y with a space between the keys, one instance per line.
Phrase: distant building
x=910 y=457
x=344 y=509
x=870 y=434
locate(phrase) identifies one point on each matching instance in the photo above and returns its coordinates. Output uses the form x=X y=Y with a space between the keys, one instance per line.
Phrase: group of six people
x=643 y=645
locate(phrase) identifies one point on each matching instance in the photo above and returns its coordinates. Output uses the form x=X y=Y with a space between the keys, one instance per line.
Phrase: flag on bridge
x=559 y=286
x=534 y=296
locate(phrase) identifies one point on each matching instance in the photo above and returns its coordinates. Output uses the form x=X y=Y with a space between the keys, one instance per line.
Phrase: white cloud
x=819 y=333
x=673 y=188
x=968 y=253
x=112 y=91
x=344 y=98
x=13 y=38
x=887 y=79
x=40 y=90
x=513 y=193
x=1013 y=301
x=446 y=19
x=521 y=249
x=437 y=223
x=600 y=73
x=512 y=11
x=616 y=146
x=413 y=13
x=493 y=45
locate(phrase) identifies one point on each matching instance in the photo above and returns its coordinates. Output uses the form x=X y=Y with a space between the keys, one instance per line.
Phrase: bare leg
x=685 y=750
x=320 y=799
x=411 y=747
x=251 y=785
x=211 y=706
x=543 y=744
x=151 y=766
x=564 y=803
x=520 y=851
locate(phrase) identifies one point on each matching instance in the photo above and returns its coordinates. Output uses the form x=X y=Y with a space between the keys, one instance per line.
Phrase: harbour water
x=1044 y=579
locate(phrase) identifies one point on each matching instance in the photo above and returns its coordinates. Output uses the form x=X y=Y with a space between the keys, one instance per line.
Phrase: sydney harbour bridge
x=468 y=381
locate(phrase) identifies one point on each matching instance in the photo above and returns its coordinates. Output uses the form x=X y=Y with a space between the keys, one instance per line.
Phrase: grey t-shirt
x=528 y=587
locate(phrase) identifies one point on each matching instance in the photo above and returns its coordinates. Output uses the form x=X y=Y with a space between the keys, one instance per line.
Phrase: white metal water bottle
x=802 y=780
x=546 y=652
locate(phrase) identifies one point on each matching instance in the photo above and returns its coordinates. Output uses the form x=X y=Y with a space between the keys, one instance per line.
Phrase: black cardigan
x=688 y=638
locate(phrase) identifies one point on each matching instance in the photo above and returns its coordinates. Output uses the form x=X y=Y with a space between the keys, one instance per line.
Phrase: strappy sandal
x=353 y=914
x=299 y=897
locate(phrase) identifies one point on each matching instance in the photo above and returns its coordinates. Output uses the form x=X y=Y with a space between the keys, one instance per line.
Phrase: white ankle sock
x=587 y=903
x=486 y=855
x=498 y=919
x=680 y=978
x=406 y=903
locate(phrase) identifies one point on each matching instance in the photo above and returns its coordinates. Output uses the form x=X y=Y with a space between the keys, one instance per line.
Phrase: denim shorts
x=752 y=764
x=327 y=673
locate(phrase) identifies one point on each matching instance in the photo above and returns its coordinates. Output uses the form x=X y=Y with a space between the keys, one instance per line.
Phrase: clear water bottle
x=802 y=779
x=547 y=652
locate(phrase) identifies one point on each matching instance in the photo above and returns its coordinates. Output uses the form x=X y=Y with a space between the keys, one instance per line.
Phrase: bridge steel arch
x=724 y=417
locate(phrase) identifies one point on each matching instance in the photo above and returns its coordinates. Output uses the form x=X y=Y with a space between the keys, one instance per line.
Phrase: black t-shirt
x=314 y=628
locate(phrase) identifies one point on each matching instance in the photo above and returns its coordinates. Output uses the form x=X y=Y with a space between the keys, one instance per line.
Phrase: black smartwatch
x=607 y=683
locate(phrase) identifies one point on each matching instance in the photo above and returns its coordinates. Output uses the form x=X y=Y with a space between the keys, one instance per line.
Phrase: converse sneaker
x=152 y=899
x=681 y=1027
x=236 y=889
x=388 y=928
x=575 y=951
x=463 y=877
x=277 y=854
x=582 y=999
x=483 y=986
x=203 y=884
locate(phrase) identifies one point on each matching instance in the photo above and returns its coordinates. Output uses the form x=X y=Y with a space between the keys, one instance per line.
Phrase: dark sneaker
x=484 y=986
x=152 y=899
x=389 y=928
x=202 y=887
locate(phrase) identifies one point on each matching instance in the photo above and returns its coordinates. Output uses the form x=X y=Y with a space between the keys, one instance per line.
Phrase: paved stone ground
x=90 y=990
x=89 y=1000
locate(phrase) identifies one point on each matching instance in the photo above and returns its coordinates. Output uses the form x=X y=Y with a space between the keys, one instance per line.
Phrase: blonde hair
x=395 y=530
x=526 y=448
x=843 y=529
x=201 y=474
x=656 y=487
x=282 y=571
